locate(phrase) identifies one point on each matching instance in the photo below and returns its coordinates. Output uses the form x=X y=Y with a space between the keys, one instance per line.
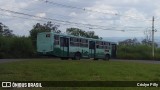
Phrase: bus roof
x=73 y=36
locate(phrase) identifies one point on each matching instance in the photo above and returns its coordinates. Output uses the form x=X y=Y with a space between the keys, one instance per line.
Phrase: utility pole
x=153 y=37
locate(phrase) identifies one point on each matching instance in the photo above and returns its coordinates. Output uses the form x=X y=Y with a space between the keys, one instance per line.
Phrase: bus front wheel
x=107 y=57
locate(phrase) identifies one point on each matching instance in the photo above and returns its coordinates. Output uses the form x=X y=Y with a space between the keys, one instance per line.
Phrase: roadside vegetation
x=142 y=52
x=16 y=47
x=12 y=46
x=133 y=49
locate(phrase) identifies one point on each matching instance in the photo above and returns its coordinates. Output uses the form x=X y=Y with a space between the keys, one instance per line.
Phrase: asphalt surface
x=10 y=60
x=140 y=61
x=119 y=60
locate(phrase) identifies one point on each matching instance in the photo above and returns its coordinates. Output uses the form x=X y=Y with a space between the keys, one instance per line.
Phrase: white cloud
x=131 y=13
x=73 y=0
x=41 y=14
x=130 y=1
x=134 y=18
x=73 y=14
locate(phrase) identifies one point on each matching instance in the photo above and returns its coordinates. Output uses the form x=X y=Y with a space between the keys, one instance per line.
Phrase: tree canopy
x=133 y=41
x=5 y=31
x=46 y=27
x=82 y=33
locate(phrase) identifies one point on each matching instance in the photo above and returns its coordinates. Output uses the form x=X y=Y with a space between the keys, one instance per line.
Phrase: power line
x=31 y=19
x=73 y=7
x=63 y=16
x=81 y=8
x=48 y=18
x=62 y=22
x=89 y=10
x=22 y=17
x=86 y=25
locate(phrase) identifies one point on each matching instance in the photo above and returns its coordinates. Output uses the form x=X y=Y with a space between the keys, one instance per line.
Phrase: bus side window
x=80 y=40
x=61 y=42
x=74 y=39
x=65 y=43
x=71 y=41
x=91 y=45
x=97 y=46
x=56 y=39
x=86 y=45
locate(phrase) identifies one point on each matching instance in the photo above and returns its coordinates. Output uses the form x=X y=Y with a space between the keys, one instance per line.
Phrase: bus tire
x=107 y=57
x=64 y=58
x=95 y=59
x=77 y=56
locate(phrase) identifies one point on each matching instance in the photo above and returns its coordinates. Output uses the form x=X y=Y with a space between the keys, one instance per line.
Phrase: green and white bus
x=74 y=47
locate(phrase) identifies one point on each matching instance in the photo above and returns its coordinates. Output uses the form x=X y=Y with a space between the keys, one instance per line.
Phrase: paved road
x=119 y=60
x=14 y=60
x=10 y=60
x=140 y=61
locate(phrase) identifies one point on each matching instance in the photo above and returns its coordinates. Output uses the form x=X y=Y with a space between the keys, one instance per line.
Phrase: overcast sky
x=132 y=16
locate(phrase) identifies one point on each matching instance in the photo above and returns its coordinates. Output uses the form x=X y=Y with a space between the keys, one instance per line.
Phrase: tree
x=79 y=32
x=133 y=41
x=5 y=31
x=148 y=42
x=46 y=27
x=148 y=35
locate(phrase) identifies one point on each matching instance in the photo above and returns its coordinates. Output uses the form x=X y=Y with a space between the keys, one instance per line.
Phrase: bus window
x=56 y=39
x=47 y=35
x=71 y=41
x=86 y=41
x=101 y=43
x=77 y=40
x=86 y=45
x=74 y=40
x=56 y=42
x=97 y=46
x=71 y=44
x=91 y=45
x=80 y=40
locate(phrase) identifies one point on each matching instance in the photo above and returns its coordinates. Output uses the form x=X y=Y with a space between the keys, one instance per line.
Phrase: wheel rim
x=106 y=57
x=77 y=57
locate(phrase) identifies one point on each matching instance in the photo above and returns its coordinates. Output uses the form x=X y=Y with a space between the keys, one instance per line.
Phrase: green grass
x=85 y=70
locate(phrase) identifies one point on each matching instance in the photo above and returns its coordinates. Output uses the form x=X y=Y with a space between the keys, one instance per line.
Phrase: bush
x=136 y=52
x=16 y=47
x=4 y=47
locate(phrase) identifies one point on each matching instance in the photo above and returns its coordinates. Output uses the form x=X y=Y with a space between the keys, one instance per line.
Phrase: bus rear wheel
x=77 y=56
x=95 y=59
x=64 y=58
x=107 y=57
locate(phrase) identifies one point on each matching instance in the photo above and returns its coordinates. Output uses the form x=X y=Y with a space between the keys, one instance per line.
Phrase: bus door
x=114 y=51
x=92 y=49
x=64 y=45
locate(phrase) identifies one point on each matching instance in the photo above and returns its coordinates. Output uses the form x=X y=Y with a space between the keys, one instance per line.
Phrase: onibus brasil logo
x=20 y=85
